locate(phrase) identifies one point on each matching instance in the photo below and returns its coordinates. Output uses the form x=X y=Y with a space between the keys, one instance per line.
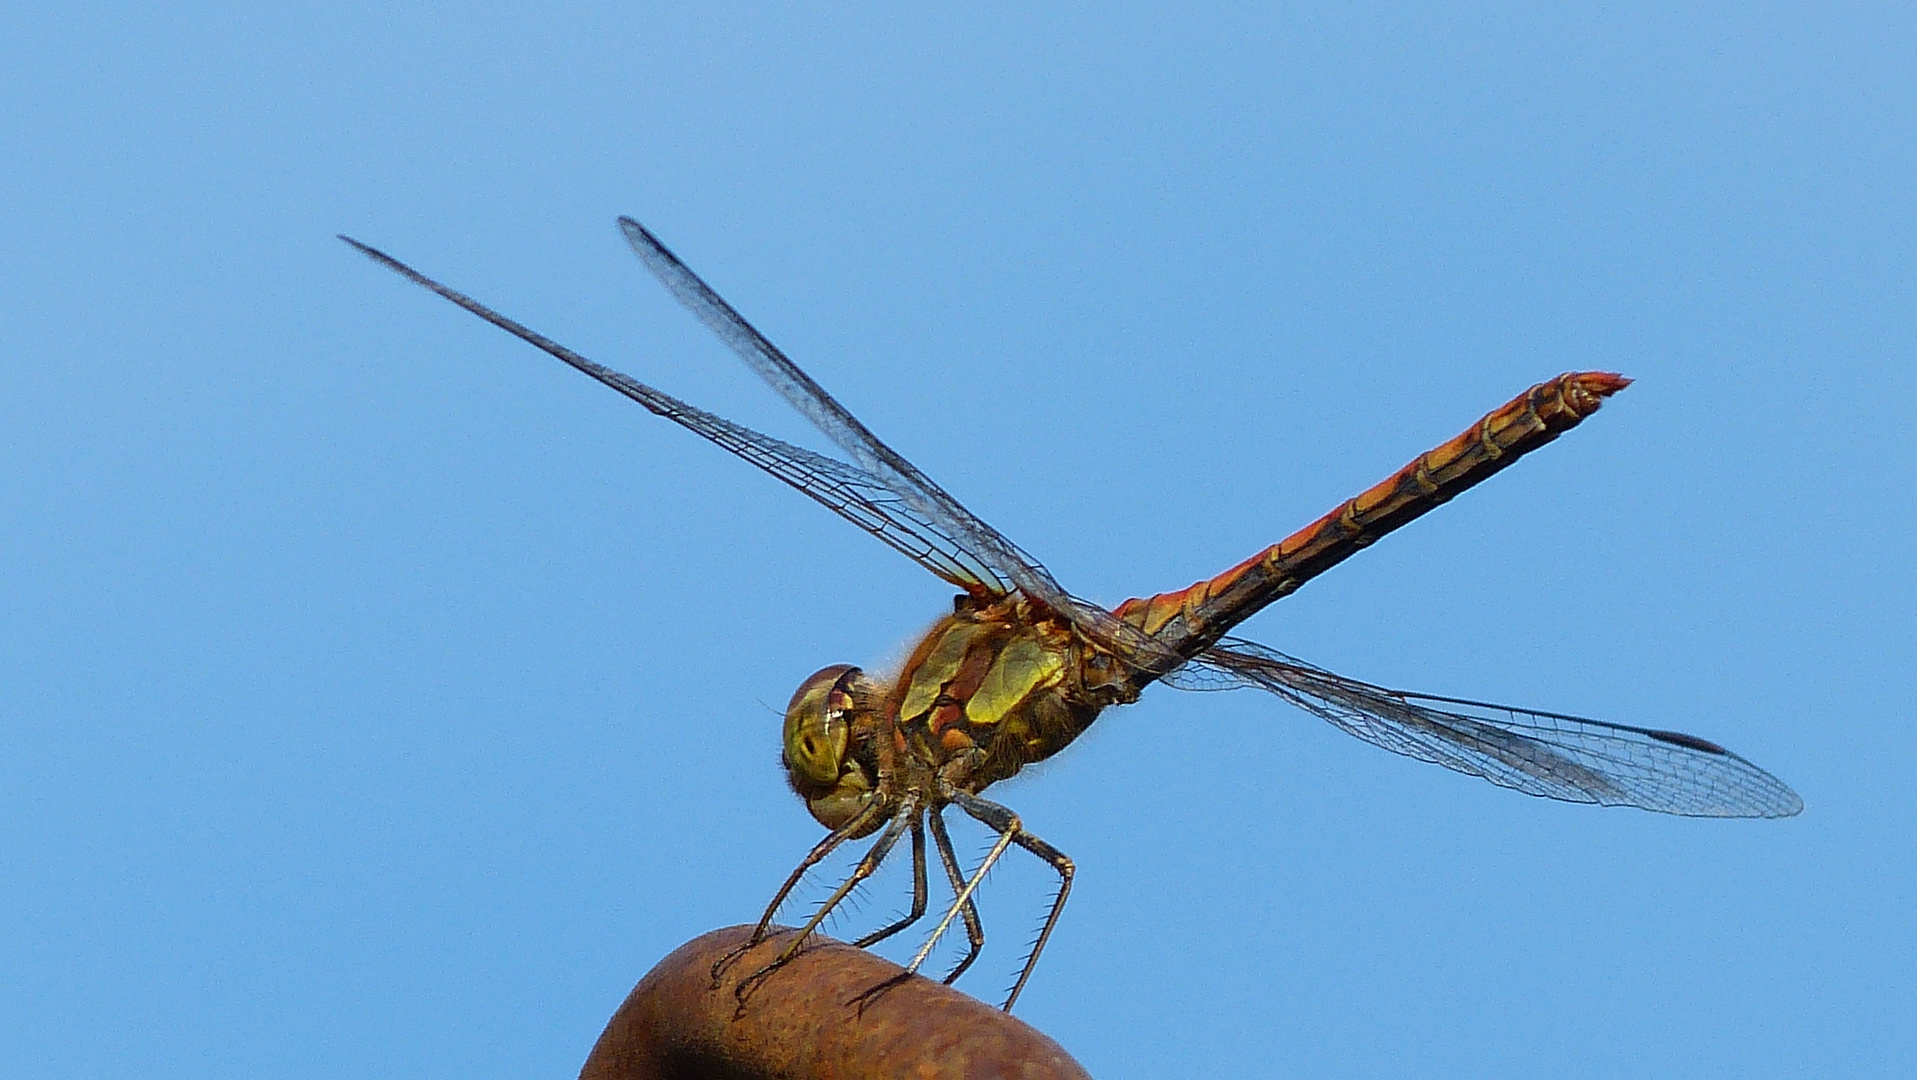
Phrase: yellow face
x=820 y=756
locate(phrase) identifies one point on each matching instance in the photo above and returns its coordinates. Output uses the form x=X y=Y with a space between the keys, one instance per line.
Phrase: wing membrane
x=824 y=411
x=936 y=510
x=854 y=494
x=1538 y=753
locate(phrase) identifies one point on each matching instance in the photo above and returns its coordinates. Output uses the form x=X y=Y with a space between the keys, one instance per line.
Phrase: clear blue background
x=378 y=698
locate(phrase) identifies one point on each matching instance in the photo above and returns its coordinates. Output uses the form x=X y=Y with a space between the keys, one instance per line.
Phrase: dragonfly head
x=826 y=758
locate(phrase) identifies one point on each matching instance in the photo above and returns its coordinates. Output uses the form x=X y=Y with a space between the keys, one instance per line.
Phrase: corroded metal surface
x=806 y=1022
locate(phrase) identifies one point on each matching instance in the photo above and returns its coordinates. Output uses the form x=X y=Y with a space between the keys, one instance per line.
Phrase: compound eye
x=818 y=726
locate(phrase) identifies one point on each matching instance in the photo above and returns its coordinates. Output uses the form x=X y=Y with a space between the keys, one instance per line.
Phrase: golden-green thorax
x=993 y=692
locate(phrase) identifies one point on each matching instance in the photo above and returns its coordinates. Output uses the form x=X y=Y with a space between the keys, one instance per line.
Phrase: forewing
x=911 y=486
x=932 y=506
x=854 y=494
x=1538 y=753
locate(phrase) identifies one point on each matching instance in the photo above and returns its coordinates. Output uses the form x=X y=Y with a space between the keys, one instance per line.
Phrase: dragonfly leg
x=1009 y=828
x=919 y=895
x=963 y=905
x=907 y=815
x=974 y=929
x=1010 y=831
x=812 y=858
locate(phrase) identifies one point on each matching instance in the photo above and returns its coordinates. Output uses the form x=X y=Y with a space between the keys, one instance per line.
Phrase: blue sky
x=379 y=698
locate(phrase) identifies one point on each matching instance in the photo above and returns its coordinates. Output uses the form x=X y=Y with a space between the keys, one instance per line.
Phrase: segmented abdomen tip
x=1601 y=383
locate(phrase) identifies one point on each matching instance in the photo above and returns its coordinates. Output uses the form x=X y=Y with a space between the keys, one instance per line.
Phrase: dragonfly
x=1020 y=667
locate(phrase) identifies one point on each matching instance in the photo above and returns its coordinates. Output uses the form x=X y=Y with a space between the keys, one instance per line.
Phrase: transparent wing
x=864 y=448
x=1538 y=753
x=854 y=494
x=932 y=506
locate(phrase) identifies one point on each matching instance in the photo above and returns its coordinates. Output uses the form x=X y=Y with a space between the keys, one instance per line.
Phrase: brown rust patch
x=806 y=1023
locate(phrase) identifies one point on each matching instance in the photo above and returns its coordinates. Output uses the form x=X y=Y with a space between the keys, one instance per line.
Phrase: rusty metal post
x=806 y=1023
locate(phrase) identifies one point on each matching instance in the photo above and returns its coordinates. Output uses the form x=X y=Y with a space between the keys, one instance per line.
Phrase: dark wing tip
x=377 y=256
x=636 y=231
x=678 y=277
x=1689 y=742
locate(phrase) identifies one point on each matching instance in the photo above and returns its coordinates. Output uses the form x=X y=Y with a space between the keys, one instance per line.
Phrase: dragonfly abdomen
x=1188 y=621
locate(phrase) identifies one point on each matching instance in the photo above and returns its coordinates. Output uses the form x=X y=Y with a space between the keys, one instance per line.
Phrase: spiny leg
x=974 y=929
x=1007 y=826
x=1063 y=865
x=1006 y=823
x=907 y=814
x=817 y=855
x=963 y=904
x=919 y=894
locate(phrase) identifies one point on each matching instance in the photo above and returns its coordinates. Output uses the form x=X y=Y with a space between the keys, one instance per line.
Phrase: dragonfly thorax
x=993 y=688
